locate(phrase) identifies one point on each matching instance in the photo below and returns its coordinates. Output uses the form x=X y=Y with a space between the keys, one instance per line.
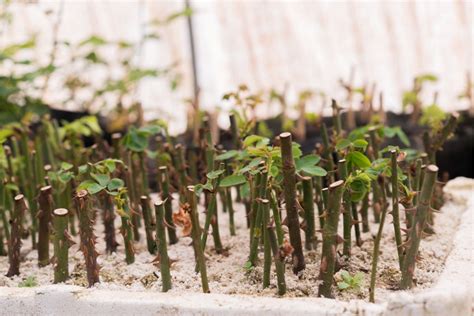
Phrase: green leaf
x=102 y=179
x=402 y=136
x=295 y=148
x=358 y=133
x=409 y=97
x=4 y=134
x=233 y=180
x=29 y=282
x=358 y=277
x=314 y=171
x=12 y=187
x=214 y=174
x=136 y=140
x=200 y=187
x=208 y=186
x=252 y=139
x=110 y=165
x=378 y=167
x=342 y=285
x=91 y=187
x=252 y=164
x=433 y=116
x=93 y=40
x=360 y=143
x=150 y=129
x=346 y=276
x=427 y=77
x=115 y=184
x=184 y=13
x=396 y=131
x=358 y=159
x=359 y=186
x=65 y=177
x=244 y=190
x=227 y=155
x=248 y=266
x=152 y=154
x=387 y=149
x=342 y=144
x=274 y=171
x=307 y=161
x=66 y=166
x=83 y=169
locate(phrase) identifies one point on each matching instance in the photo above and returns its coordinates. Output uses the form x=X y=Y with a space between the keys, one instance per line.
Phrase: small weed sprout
x=350 y=282
x=29 y=282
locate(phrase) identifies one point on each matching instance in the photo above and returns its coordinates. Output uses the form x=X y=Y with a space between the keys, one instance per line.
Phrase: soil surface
x=226 y=273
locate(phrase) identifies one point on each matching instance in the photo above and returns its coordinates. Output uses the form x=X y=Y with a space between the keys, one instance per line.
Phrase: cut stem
x=308 y=206
x=45 y=201
x=164 y=179
x=195 y=233
x=378 y=238
x=14 y=244
x=347 y=215
x=328 y=258
x=123 y=208
x=62 y=242
x=148 y=221
x=279 y=261
x=319 y=200
x=109 y=223
x=162 y=248
x=267 y=251
x=289 y=188
x=416 y=231
x=395 y=207
x=257 y=227
x=276 y=217
x=88 y=238
x=364 y=212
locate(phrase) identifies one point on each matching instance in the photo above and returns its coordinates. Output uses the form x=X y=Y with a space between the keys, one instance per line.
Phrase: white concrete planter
x=450 y=296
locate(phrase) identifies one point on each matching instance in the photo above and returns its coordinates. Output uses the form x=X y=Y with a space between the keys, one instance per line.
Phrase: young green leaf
x=110 y=164
x=102 y=179
x=360 y=143
x=295 y=148
x=214 y=174
x=358 y=159
x=65 y=177
x=91 y=186
x=115 y=184
x=343 y=144
x=314 y=171
x=307 y=161
x=66 y=166
x=252 y=139
x=342 y=285
x=83 y=169
x=227 y=155
x=29 y=282
x=233 y=180
x=150 y=129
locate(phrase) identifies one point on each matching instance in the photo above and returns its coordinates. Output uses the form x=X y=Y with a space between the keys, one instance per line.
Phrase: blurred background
x=95 y=55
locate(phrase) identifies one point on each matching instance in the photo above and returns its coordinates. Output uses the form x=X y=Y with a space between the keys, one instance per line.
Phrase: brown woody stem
x=289 y=188
x=45 y=201
x=14 y=244
x=62 y=242
x=88 y=239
